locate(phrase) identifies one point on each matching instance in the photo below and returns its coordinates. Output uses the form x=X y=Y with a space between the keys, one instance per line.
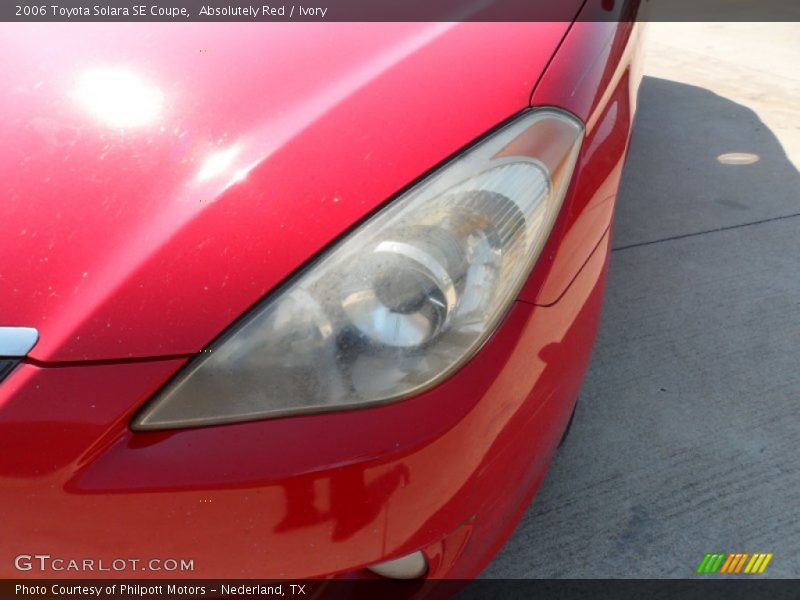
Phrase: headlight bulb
x=404 y=291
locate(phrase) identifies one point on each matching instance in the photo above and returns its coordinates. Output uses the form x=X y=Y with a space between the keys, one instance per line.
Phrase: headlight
x=400 y=303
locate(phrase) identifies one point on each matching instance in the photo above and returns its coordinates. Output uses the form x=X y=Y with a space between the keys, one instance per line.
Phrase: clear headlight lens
x=401 y=302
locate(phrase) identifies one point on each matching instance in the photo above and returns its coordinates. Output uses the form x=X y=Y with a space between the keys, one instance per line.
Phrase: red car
x=296 y=300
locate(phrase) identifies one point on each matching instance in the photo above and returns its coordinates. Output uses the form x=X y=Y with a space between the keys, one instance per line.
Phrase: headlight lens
x=401 y=302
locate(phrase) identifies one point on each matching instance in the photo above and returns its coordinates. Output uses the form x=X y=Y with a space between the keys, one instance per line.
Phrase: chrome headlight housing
x=401 y=302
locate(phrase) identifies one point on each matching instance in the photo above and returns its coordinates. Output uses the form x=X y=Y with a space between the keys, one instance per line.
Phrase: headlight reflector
x=400 y=303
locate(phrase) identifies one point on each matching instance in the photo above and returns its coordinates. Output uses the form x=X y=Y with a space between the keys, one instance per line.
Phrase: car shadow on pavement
x=684 y=440
x=699 y=162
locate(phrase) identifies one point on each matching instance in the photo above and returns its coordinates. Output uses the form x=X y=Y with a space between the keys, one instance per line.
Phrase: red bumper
x=449 y=471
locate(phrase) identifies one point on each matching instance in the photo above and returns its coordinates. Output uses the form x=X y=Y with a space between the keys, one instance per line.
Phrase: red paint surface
x=448 y=471
x=595 y=75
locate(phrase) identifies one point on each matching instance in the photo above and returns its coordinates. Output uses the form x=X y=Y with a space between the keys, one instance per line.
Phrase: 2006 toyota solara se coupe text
x=297 y=300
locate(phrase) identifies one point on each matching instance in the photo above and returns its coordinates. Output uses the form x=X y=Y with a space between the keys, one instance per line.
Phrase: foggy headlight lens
x=401 y=302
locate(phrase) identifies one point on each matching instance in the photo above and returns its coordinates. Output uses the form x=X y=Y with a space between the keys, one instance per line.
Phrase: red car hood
x=159 y=180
